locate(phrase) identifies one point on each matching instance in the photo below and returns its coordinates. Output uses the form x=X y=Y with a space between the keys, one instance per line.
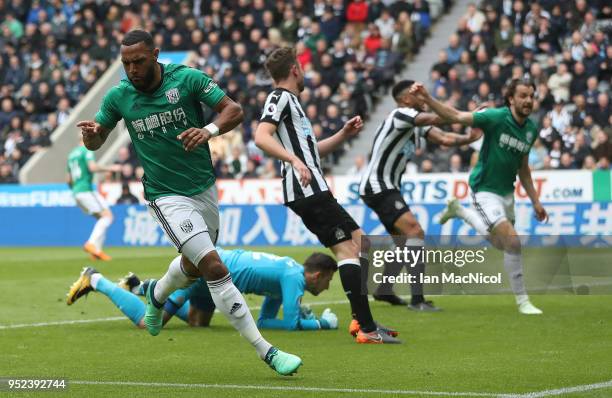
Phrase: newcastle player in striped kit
x=395 y=142
x=286 y=134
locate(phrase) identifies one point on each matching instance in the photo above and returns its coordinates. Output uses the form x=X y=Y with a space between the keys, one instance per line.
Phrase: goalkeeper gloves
x=306 y=312
x=328 y=320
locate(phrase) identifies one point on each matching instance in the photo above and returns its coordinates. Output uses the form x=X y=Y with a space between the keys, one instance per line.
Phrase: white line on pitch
x=72 y=322
x=566 y=390
x=293 y=388
x=118 y=318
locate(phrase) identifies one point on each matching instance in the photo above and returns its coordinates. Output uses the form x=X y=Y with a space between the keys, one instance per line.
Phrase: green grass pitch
x=477 y=345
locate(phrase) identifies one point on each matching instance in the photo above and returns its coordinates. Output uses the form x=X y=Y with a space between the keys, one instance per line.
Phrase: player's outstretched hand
x=331 y=318
x=540 y=212
x=303 y=171
x=353 y=126
x=419 y=91
x=193 y=137
x=89 y=128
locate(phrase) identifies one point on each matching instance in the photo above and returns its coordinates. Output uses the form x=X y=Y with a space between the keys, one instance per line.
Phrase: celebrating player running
x=161 y=106
x=508 y=137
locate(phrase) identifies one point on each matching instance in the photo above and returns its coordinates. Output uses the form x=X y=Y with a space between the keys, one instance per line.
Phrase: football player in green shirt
x=81 y=167
x=162 y=109
x=508 y=137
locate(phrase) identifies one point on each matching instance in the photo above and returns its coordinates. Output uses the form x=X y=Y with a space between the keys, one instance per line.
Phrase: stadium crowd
x=564 y=47
x=53 y=51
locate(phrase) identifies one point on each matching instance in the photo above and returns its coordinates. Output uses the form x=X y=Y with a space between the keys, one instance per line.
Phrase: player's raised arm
x=447 y=113
x=429 y=119
x=437 y=136
x=524 y=174
x=350 y=129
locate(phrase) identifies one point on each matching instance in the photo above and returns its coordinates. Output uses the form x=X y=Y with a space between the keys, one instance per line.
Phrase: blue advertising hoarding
x=263 y=225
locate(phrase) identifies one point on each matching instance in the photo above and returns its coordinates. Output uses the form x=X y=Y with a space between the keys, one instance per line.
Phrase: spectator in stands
x=224 y=172
x=577 y=47
x=579 y=113
x=373 y=40
x=602 y=112
x=581 y=150
x=455 y=165
x=402 y=39
x=602 y=146
x=442 y=66
x=560 y=117
x=504 y=35
x=357 y=11
x=426 y=166
x=237 y=163
x=52 y=54
x=454 y=49
x=537 y=155
x=127 y=173
x=559 y=83
x=475 y=18
x=579 y=80
x=566 y=162
x=358 y=167
x=591 y=94
x=6 y=174
x=269 y=169
x=126 y=198
x=589 y=163
x=251 y=169
x=385 y=24
x=555 y=154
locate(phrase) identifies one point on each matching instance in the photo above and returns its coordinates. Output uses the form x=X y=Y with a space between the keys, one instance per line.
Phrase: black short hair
x=318 y=261
x=399 y=88
x=136 y=36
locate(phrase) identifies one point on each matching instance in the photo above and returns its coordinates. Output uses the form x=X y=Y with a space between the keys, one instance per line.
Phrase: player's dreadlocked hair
x=510 y=89
x=136 y=36
x=280 y=61
x=320 y=262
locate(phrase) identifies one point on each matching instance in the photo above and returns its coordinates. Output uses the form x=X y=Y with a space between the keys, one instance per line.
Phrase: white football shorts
x=191 y=223
x=493 y=208
x=91 y=202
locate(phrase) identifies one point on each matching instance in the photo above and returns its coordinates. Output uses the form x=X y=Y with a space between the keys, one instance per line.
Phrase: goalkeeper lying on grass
x=281 y=280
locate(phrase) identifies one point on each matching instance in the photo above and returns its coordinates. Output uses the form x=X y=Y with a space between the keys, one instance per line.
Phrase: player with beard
x=508 y=137
x=162 y=109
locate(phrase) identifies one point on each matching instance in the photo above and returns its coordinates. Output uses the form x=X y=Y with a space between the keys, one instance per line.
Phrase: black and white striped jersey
x=295 y=134
x=395 y=143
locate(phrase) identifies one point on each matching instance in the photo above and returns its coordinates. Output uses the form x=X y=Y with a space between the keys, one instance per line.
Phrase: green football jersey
x=504 y=146
x=79 y=171
x=154 y=120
